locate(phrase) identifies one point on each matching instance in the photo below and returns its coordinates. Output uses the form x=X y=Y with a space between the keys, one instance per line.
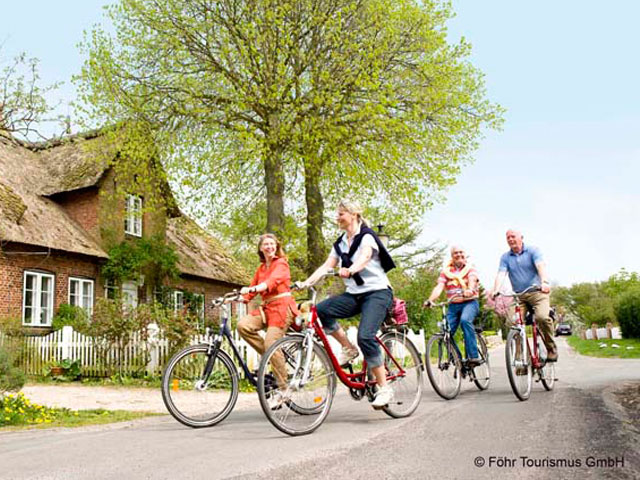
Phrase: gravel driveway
x=81 y=397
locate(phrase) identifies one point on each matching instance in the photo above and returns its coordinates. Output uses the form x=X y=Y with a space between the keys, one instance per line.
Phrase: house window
x=130 y=294
x=198 y=305
x=133 y=216
x=37 y=295
x=110 y=289
x=81 y=293
x=178 y=301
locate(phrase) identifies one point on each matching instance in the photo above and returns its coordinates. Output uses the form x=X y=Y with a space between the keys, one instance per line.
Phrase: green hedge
x=628 y=313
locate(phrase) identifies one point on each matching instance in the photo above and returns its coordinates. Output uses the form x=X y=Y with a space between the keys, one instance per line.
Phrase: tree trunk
x=274 y=181
x=316 y=251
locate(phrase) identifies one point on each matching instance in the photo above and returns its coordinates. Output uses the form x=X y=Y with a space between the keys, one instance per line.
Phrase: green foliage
x=11 y=376
x=71 y=315
x=588 y=301
x=290 y=103
x=177 y=328
x=71 y=369
x=130 y=259
x=18 y=410
x=414 y=287
x=628 y=313
x=595 y=302
x=112 y=328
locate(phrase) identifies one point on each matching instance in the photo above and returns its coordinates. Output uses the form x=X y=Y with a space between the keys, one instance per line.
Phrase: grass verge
x=626 y=347
x=18 y=412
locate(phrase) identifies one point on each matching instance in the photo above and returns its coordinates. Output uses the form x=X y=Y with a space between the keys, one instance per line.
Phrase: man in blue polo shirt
x=525 y=267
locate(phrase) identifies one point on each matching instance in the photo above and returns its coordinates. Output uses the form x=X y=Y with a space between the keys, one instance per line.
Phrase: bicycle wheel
x=190 y=400
x=407 y=389
x=443 y=367
x=291 y=355
x=302 y=397
x=482 y=372
x=548 y=371
x=518 y=368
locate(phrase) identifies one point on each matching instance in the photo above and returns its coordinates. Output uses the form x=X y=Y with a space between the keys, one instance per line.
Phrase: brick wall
x=82 y=206
x=13 y=264
x=210 y=290
x=62 y=265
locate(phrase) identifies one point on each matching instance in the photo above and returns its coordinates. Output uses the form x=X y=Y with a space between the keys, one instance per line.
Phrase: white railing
x=138 y=355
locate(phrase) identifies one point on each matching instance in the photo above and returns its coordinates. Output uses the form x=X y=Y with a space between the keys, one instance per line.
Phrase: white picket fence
x=138 y=355
x=602 y=333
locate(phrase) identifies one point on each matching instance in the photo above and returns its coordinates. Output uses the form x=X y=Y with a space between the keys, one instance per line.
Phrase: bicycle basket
x=397 y=314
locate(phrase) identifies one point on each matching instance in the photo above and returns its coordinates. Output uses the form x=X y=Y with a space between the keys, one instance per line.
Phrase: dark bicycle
x=200 y=384
x=446 y=368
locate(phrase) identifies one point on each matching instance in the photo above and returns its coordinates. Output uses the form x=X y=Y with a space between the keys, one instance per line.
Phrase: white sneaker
x=383 y=397
x=277 y=399
x=347 y=354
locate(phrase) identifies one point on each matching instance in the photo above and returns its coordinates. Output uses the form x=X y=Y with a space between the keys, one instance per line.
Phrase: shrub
x=75 y=317
x=11 y=377
x=628 y=313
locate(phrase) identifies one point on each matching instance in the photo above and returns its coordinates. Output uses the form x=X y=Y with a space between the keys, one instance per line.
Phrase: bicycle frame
x=445 y=331
x=519 y=324
x=215 y=342
x=355 y=380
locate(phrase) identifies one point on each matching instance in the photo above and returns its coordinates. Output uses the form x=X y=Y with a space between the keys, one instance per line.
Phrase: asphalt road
x=575 y=431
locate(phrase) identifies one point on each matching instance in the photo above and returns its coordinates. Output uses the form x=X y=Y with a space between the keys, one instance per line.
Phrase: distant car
x=563 y=329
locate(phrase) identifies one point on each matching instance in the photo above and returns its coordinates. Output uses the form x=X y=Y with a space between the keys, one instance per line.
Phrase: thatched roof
x=202 y=255
x=31 y=173
x=28 y=217
x=78 y=162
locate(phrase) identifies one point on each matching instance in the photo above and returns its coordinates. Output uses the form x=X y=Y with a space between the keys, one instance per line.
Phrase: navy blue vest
x=345 y=257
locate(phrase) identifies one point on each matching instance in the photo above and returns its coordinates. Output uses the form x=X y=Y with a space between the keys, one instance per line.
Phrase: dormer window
x=133 y=216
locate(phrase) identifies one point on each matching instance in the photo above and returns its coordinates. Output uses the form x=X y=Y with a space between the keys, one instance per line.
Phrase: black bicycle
x=200 y=384
x=445 y=367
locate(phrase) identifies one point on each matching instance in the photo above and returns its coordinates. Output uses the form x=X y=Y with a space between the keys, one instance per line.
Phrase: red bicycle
x=305 y=369
x=523 y=361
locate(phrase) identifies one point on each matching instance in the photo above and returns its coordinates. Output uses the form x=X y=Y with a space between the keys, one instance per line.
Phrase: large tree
x=296 y=100
x=23 y=104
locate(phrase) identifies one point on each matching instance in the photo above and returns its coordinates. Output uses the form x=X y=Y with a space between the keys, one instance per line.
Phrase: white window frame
x=111 y=289
x=133 y=216
x=36 y=307
x=178 y=305
x=200 y=306
x=88 y=307
x=130 y=294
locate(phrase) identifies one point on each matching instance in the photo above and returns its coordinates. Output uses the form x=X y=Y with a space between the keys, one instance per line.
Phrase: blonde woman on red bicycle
x=363 y=262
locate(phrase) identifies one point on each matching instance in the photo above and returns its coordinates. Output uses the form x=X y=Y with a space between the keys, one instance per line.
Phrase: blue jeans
x=372 y=305
x=463 y=314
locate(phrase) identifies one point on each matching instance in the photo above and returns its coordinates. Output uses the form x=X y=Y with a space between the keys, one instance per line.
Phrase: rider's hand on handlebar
x=246 y=290
x=427 y=304
x=344 y=273
x=299 y=285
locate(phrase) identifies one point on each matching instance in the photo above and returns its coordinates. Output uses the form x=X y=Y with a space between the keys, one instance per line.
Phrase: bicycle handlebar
x=532 y=288
x=328 y=273
x=233 y=295
x=448 y=301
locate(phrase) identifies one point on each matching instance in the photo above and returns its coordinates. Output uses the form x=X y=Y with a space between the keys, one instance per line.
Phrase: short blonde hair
x=353 y=207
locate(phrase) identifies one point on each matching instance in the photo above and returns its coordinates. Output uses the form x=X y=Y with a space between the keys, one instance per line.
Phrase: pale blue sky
x=563 y=170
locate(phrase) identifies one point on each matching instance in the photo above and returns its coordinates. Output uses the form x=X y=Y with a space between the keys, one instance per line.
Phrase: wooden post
x=609 y=327
x=594 y=331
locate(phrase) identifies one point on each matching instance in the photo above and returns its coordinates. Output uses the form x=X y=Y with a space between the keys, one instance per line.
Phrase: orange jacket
x=278 y=278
